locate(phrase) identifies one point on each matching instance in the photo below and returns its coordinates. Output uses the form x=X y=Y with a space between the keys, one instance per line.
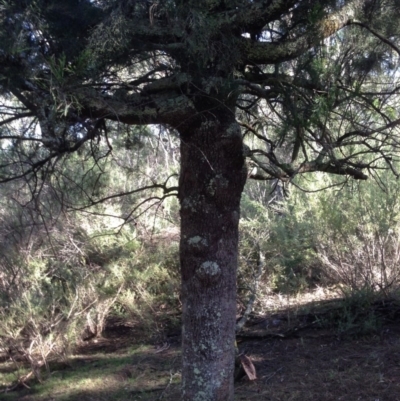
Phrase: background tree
x=300 y=76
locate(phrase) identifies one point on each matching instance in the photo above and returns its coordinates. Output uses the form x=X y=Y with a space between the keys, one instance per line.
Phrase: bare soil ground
x=295 y=360
x=319 y=366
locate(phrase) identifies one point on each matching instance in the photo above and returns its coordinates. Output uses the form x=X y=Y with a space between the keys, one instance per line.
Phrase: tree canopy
x=263 y=89
x=72 y=65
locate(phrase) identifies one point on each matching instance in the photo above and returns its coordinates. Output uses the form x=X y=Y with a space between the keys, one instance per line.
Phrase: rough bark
x=211 y=183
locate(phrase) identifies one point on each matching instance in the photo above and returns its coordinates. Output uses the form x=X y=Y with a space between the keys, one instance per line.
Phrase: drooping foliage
x=313 y=101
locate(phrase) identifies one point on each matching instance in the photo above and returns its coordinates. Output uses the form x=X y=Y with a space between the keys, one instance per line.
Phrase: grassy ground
x=131 y=373
x=295 y=360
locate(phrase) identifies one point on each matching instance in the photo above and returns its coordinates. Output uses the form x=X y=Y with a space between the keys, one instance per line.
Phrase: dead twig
x=171 y=377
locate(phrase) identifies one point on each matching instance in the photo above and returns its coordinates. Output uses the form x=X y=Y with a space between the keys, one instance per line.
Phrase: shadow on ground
x=311 y=363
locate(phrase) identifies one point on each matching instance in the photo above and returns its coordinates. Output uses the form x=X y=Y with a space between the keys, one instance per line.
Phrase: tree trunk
x=211 y=182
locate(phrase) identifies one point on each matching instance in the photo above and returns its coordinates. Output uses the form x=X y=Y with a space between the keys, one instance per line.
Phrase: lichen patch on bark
x=197 y=242
x=208 y=269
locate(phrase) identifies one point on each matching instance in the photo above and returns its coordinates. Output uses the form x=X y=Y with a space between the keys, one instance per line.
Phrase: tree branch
x=288 y=49
x=378 y=35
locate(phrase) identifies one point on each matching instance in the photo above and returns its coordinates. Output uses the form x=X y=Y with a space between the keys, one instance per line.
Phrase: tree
x=313 y=81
